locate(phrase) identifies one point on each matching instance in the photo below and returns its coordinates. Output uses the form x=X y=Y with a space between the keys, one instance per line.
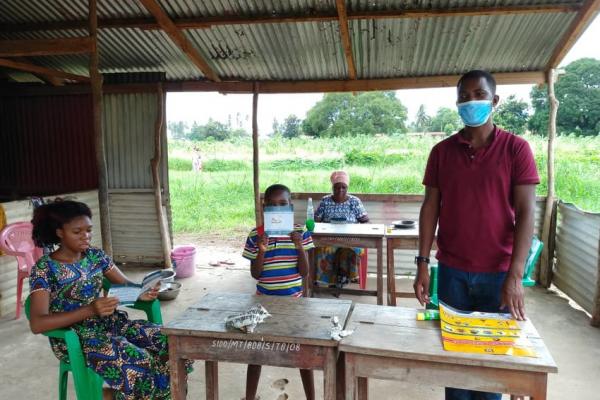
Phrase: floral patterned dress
x=131 y=356
x=335 y=265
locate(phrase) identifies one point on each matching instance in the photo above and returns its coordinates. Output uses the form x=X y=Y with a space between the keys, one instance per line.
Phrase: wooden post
x=255 y=170
x=547 y=233
x=96 y=81
x=154 y=165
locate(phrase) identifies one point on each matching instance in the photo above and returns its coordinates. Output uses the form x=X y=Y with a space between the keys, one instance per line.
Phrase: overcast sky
x=202 y=106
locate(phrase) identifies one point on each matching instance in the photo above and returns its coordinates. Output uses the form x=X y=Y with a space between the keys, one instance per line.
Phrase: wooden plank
x=345 y=37
x=545 y=271
x=50 y=80
x=46 y=47
x=353 y=230
x=596 y=311
x=258 y=215
x=166 y=24
x=376 y=336
x=163 y=227
x=36 y=69
x=585 y=16
x=305 y=321
x=96 y=83
x=208 y=22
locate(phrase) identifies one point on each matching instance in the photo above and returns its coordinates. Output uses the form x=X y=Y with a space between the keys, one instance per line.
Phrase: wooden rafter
x=46 y=47
x=345 y=37
x=36 y=69
x=359 y=85
x=208 y=22
x=50 y=80
x=585 y=16
x=167 y=25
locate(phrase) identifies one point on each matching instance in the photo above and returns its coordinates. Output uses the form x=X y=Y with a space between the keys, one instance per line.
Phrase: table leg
x=350 y=376
x=329 y=373
x=380 y=272
x=363 y=388
x=391 y=275
x=177 y=370
x=212 y=380
x=341 y=376
x=540 y=387
x=312 y=273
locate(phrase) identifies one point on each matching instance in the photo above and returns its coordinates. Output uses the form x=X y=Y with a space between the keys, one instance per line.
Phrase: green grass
x=219 y=200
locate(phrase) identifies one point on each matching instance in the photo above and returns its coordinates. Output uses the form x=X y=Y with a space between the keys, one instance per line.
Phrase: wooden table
x=350 y=236
x=399 y=239
x=388 y=343
x=297 y=335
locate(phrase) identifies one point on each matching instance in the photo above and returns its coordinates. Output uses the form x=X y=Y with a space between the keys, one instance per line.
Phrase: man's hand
x=421 y=284
x=263 y=243
x=105 y=306
x=513 y=297
x=296 y=239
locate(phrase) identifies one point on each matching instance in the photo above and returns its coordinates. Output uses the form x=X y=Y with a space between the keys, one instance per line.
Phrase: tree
x=578 y=93
x=214 y=130
x=423 y=121
x=177 y=130
x=276 y=128
x=512 y=115
x=445 y=120
x=291 y=127
x=341 y=114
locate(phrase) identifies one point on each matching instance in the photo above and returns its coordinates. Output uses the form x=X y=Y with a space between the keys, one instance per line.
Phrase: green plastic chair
x=88 y=384
x=532 y=258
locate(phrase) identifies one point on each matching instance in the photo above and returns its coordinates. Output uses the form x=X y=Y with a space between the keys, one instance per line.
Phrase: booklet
x=279 y=220
x=128 y=293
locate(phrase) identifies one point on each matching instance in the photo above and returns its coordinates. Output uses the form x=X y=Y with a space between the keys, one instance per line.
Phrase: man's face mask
x=475 y=113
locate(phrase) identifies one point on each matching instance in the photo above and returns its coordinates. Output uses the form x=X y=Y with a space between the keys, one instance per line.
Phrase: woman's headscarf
x=340 y=177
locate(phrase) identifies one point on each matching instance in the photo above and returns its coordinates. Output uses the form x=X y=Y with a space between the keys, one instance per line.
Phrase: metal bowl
x=169 y=290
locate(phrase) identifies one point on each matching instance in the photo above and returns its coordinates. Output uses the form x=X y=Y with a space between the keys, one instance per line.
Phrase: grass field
x=220 y=199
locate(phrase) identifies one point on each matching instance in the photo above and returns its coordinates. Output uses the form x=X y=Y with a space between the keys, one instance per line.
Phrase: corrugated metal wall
x=22 y=211
x=47 y=145
x=128 y=123
x=384 y=212
x=577 y=253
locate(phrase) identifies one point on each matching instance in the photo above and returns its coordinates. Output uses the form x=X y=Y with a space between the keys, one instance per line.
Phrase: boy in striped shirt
x=278 y=264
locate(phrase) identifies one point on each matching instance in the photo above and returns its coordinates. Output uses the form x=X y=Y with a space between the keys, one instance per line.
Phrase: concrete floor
x=28 y=369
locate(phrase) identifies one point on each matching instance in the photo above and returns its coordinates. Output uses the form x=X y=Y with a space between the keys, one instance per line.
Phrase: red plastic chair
x=15 y=240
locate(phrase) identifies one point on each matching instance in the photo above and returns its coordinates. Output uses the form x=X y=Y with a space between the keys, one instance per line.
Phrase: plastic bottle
x=434 y=303
x=428 y=315
x=310 y=215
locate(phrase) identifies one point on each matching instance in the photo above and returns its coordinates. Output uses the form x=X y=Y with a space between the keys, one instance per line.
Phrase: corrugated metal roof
x=383 y=48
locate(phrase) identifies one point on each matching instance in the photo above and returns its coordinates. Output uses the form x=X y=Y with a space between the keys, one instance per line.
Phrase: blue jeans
x=470 y=291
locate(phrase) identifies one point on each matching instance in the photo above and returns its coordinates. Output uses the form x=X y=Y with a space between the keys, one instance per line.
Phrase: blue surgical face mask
x=475 y=113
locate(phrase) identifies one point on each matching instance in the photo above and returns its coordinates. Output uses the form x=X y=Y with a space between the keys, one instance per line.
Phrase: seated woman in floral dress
x=338 y=266
x=65 y=286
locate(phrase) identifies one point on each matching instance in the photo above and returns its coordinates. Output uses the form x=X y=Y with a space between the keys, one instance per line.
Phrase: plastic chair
x=532 y=257
x=15 y=240
x=88 y=384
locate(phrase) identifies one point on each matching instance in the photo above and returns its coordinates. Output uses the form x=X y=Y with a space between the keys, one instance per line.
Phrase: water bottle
x=434 y=302
x=310 y=215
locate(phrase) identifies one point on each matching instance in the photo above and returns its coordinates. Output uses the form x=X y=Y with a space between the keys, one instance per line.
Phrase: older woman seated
x=339 y=266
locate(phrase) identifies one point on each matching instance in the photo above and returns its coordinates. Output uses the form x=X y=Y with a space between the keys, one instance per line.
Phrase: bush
x=180 y=164
x=225 y=165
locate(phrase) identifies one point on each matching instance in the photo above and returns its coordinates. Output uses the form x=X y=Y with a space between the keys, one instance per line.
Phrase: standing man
x=480 y=189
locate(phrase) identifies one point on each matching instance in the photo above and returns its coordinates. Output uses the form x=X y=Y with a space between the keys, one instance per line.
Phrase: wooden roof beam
x=345 y=37
x=167 y=25
x=36 y=69
x=50 y=80
x=586 y=15
x=208 y=22
x=46 y=47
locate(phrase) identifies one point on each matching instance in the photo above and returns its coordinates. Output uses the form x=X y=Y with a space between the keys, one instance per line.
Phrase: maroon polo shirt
x=477 y=214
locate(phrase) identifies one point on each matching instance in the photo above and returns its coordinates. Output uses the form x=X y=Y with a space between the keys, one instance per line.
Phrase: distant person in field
x=338 y=266
x=480 y=190
x=196 y=160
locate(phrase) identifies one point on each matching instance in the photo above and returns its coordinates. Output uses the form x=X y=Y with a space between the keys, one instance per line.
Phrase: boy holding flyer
x=279 y=263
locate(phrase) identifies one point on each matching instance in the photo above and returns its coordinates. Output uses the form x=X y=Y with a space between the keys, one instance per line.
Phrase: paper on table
x=483 y=333
x=128 y=293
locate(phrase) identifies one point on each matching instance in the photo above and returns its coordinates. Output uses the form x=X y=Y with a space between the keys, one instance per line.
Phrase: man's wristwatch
x=419 y=259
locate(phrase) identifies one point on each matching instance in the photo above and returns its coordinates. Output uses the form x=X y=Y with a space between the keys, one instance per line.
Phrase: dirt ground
x=28 y=369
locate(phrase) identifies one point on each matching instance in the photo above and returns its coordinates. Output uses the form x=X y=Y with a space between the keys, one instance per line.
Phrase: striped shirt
x=280 y=275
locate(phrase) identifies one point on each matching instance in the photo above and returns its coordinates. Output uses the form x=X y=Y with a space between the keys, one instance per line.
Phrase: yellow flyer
x=483 y=333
